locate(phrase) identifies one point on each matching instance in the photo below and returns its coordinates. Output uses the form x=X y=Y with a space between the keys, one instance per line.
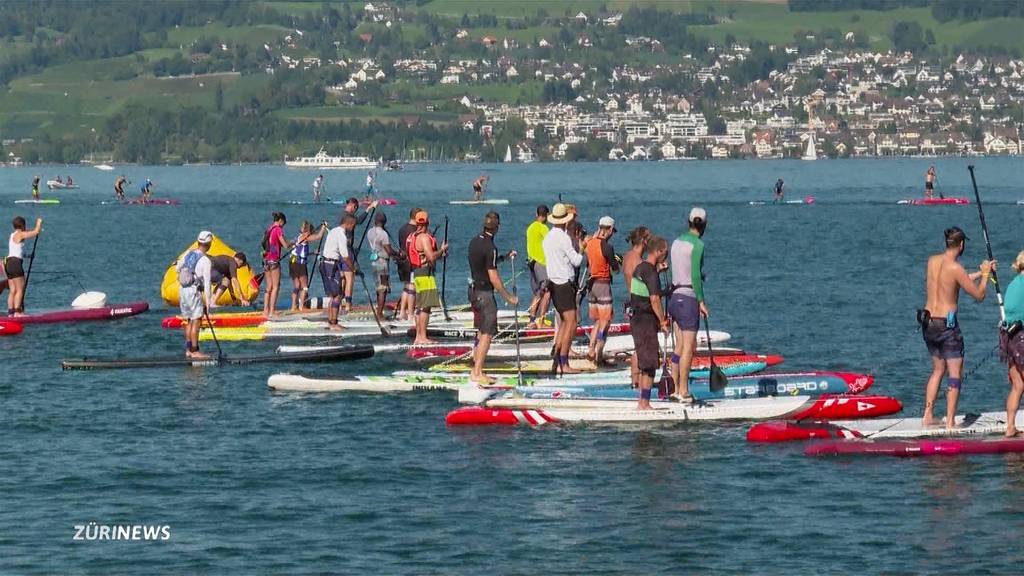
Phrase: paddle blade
x=718 y=380
x=666 y=386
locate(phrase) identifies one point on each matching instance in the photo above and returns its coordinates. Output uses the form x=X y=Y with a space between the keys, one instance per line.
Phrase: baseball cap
x=421 y=217
x=205 y=237
x=698 y=213
x=607 y=222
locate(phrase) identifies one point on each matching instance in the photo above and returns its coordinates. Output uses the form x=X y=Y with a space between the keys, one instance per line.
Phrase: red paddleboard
x=784 y=431
x=936 y=201
x=111 y=312
x=9 y=328
x=909 y=448
x=240 y=320
x=381 y=202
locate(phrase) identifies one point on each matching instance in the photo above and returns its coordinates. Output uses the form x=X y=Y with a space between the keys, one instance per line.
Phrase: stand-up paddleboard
x=494 y=201
x=337 y=355
x=805 y=201
x=150 y=202
x=263 y=333
x=111 y=312
x=969 y=425
x=614 y=345
x=39 y=201
x=618 y=328
x=380 y=202
x=620 y=411
x=935 y=201
x=911 y=448
x=9 y=328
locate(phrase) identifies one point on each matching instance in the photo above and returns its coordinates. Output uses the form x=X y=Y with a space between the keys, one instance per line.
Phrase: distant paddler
x=478 y=187
x=224 y=276
x=146 y=190
x=779 y=196
x=929 y=182
x=371 y=180
x=195 y=295
x=35 y=188
x=14 y=264
x=119 y=187
x=944 y=277
x=318 y=186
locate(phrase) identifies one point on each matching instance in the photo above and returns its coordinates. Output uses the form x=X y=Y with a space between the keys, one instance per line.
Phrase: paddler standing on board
x=648 y=317
x=119 y=187
x=408 y=299
x=686 y=305
x=602 y=262
x=637 y=238
x=146 y=190
x=535 y=262
x=422 y=252
x=195 y=294
x=347 y=270
x=318 y=186
x=334 y=254
x=944 y=277
x=779 y=196
x=562 y=260
x=483 y=269
x=371 y=178
x=14 y=266
x=1011 y=343
x=929 y=182
x=478 y=187
x=35 y=188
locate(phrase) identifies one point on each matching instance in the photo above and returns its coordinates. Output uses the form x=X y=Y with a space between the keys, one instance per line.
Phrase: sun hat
x=560 y=214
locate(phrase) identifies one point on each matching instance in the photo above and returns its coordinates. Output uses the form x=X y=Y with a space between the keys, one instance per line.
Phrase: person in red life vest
x=422 y=251
x=602 y=261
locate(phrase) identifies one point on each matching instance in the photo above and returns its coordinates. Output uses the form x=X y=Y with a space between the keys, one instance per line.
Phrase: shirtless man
x=478 y=187
x=944 y=278
x=119 y=187
x=929 y=182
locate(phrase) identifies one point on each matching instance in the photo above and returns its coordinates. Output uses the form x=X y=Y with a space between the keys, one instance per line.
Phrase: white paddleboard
x=474 y=202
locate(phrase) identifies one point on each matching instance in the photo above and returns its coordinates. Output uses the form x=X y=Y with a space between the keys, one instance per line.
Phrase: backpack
x=187 y=269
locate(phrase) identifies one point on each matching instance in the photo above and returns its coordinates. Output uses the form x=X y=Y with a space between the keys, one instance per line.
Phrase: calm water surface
x=254 y=482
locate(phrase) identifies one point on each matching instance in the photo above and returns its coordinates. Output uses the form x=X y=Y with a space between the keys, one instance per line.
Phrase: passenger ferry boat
x=323 y=160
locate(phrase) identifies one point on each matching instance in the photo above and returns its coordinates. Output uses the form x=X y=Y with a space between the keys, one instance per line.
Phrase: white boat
x=812 y=151
x=60 y=185
x=508 y=154
x=323 y=160
x=104 y=167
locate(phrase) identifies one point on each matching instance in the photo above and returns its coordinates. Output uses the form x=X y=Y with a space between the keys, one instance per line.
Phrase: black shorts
x=296 y=270
x=563 y=296
x=943 y=342
x=477 y=188
x=404 y=272
x=644 y=328
x=14 y=268
x=929 y=185
x=485 y=311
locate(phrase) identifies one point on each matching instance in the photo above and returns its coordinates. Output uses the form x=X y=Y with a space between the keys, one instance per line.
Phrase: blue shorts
x=685 y=312
x=343 y=267
x=331 y=275
x=943 y=342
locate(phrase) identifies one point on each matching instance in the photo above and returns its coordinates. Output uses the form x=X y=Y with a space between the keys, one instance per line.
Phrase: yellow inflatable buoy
x=169 y=287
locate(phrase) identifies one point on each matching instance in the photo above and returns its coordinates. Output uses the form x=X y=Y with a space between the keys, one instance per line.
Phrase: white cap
x=606 y=222
x=698 y=212
x=205 y=237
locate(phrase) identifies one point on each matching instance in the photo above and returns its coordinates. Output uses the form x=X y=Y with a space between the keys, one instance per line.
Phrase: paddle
x=667 y=385
x=383 y=331
x=213 y=333
x=718 y=380
x=28 y=273
x=515 y=312
x=444 y=275
x=988 y=244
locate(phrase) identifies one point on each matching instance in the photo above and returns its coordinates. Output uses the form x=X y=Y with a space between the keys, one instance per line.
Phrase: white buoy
x=88 y=300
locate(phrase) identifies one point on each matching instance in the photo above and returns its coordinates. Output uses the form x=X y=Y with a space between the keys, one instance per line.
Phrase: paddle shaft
x=369 y=298
x=213 y=333
x=515 y=312
x=31 y=261
x=988 y=243
x=444 y=274
x=369 y=222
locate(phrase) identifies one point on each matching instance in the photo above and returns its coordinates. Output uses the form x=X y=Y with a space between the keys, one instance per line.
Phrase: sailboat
x=508 y=153
x=812 y=152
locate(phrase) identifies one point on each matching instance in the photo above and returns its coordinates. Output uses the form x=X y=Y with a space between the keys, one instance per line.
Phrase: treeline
x=942 y=10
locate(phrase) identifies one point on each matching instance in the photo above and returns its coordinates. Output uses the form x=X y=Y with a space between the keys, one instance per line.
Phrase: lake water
x=253 y=482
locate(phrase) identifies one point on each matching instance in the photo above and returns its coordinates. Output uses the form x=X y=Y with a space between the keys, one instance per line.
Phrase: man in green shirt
x=535 y=234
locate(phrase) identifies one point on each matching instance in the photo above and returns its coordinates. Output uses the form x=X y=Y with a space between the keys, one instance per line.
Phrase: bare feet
x=567 y=369
x=482 y=379
x=1012 y=432
x=199 y=356
x=423 y=342
x=335 y=327
x=927 y=421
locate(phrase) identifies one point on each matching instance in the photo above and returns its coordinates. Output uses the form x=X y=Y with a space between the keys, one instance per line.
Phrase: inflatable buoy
x=169 y=287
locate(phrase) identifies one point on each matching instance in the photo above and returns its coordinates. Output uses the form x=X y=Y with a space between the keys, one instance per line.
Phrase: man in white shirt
x=195 y=294
x=562 y=260
x=335 y=253
x=318 y=185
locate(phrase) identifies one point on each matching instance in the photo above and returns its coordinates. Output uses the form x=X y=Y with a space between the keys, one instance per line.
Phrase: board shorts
x=929 y=185
x=1011 y=348
x=297 y=270
x=380 y=270
x=538 y=278
x=427 y=296
x=563 y=296
x=331 y=276
x=685 y=312
x=404 y=271
x=477 y=188
x=643 y=326
x=13 y=267
x=485 y=311
x=942 y=341
x=343 y=266
x=601 y=294
x=271 y=265
x=190 y=299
